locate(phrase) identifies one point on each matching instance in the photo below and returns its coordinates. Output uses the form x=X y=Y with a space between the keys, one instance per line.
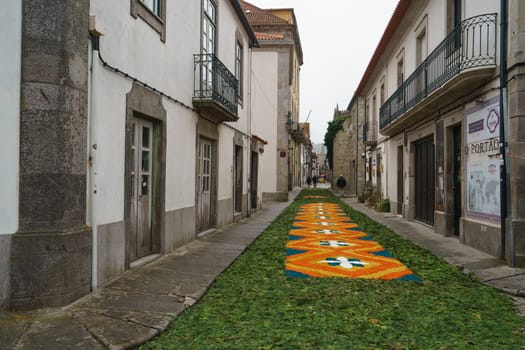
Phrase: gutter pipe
x=506 y=208
x=93 y=160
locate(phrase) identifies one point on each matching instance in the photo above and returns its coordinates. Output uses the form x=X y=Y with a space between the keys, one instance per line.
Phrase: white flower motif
x=344 y=262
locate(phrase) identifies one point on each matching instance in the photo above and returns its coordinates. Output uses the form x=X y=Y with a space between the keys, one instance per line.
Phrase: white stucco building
x=276 y=69
x=126 y=132
x=441 y=92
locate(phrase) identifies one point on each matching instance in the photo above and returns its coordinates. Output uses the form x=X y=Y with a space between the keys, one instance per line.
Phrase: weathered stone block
x=5 y=267
x=484 y=237
x=49 y=270
x=52 y=202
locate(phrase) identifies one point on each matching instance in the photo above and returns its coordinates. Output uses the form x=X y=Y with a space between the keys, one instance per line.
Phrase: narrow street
x=250 y=296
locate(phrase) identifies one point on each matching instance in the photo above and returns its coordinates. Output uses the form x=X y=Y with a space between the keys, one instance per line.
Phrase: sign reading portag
x=482 y=175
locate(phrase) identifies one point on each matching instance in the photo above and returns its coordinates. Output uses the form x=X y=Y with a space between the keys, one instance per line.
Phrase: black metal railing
x=212 y=80
x=370 y=132
x=472 y=44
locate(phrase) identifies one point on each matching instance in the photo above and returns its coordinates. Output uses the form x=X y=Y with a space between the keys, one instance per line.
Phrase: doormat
x=325 y=242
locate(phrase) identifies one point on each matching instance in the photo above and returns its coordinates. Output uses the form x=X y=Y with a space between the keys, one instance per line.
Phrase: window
x=421 y=47
x=453 y=14
x=154 y=6
x=239 y=52
x=374 y=108
x=382 y=93
x=400 y=72
x=153 y=12
x=209 y=27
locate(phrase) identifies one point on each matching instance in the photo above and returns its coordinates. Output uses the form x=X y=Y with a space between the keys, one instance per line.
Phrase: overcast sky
x=338 y=39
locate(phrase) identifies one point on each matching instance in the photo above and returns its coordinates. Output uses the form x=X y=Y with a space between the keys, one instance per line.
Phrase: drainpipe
x=506 y=209
x=93 y=159
x=356 y=146
x=249 y=132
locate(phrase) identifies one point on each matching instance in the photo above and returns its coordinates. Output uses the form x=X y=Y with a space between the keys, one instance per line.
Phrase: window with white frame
x=209 y=27
x=239 y=52
x=209 y=30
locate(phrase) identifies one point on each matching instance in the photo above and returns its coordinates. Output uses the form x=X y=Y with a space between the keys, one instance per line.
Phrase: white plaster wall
x=180 y=157
x=390 y=161
x=109 y=91
x=225 y=163
x=10 y=68
x=479 y=7
x=131 y=45
x=229 y=24
x=264 y=114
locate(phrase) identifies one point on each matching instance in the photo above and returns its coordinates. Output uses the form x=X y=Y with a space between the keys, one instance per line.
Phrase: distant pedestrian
x=341 y=183
x=308 y=181
x=314 y=180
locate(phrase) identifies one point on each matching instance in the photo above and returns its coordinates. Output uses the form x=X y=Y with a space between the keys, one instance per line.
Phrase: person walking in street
x=314 y=180
x=308 y=181
x=341 y=183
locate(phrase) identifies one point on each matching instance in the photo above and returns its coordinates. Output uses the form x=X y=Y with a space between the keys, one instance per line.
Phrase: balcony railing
x=470 y=45
x=369 y=133
x=215 y=88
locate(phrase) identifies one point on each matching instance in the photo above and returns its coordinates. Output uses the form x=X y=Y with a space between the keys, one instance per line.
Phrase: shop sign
x=482 y=177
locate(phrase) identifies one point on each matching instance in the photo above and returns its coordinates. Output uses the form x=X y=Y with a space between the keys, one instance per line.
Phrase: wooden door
x=237 y=179
x=141 y=183
x=205 y=185
x=425 y=191
x=254 y=179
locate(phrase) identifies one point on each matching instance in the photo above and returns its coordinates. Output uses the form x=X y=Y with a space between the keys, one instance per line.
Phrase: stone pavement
x=488 y=269
x=143 y=301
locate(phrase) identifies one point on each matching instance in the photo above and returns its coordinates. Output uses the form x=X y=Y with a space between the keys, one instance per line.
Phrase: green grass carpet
x=253 y=305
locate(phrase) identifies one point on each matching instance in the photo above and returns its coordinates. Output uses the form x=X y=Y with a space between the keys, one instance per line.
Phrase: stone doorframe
x=144 y=103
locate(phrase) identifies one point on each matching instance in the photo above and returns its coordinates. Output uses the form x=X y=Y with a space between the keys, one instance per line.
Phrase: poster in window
x=482 y=170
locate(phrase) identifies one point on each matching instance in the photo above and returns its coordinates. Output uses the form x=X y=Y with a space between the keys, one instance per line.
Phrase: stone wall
x=51 y=253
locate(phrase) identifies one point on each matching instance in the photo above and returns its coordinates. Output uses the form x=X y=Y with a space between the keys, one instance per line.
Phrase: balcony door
x=208 y=41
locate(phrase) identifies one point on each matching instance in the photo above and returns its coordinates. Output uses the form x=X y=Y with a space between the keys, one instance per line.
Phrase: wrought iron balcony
x=370 y=134
x=215 y=89
x=461 y=62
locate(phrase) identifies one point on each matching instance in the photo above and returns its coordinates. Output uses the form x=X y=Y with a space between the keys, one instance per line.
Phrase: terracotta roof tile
x=257 y=15
x=265 y=36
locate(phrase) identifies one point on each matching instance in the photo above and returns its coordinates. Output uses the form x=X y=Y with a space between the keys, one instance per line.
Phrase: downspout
x=506 y=209
x=93 y=159
x=249 y=132
x=356 y=146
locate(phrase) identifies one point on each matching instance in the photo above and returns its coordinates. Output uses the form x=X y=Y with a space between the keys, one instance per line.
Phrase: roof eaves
x=399 y=12
x=247 y=26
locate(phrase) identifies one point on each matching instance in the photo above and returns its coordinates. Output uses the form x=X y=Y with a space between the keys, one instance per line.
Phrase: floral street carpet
x=325 y=242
